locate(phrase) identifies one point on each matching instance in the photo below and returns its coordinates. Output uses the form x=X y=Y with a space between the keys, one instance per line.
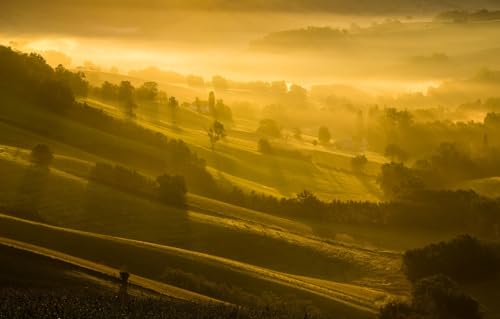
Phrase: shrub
x=464 y=258
x=41 y=155
x=264 y=146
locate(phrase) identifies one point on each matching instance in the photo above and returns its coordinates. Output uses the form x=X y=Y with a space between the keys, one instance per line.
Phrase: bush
x=270 y=128
x=324 y=135
x=463 y=259
x=358 y=163
x=397 y=181
x=172 y=190
x=41 y=155
x=264 y=146
x=436 y=297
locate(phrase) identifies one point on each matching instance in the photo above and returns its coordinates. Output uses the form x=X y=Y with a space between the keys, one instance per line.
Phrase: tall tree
x=216 y=132
x=324 y=135
x=211 y=103
x=173 y=106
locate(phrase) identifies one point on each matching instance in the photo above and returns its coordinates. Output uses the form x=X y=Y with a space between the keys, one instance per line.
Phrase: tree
x=358 y=163
x=172 y=190
x=76 y=81
x=297 y=133
x=216 y=132
x=211 y=103
x=41 y=155
x=269 y=127
x=219 y=83
x=197 y=104
x=396 y=310
x=222 y=111
x=436 y=297
x=324 y=135
x=440 y=297
x=397 y=180
x=147 y=91
x=492 y=120
x=478 y=261
x=109 y=91
x=395 y=153
x=125 y=91
x=297 y=96
x=264 y=146
x=173 y=106
x=126 y=97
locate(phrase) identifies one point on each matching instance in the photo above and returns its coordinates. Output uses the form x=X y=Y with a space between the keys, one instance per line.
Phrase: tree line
x=28 y=76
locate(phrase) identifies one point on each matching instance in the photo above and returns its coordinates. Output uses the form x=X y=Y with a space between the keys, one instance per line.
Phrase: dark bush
x=464 y=258
x=41 y=155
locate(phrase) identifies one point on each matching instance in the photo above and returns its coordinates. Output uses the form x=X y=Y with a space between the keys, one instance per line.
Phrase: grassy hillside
x=208 y=226
x=69 y=200
x=33 y=267
x=486 y=186
x=150 y=260
x=328 y=172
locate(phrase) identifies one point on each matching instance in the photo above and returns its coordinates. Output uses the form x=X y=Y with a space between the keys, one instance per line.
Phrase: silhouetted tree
x=436 y=297
x=126 y=97
x=222 y=111
x=41 y=155
x=439 y=297
x=464 y=258
x=358 y=163
x=147 y=91
x=216 y=132
x=75 y=81
x=172 y=190
x=211 y=103
x=269 y=127
x=123 y=293
x=395 y=153
x=173 y=106
x=396 y=310
x=109 y=91
x=397 y=180
x=264 y=146
x=324 y=135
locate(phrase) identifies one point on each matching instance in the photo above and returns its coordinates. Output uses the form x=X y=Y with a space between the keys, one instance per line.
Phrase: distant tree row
x=463 y=211
x=169 y=189
x=446 y=166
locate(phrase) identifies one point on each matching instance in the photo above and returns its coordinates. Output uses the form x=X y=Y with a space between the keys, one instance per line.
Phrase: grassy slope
x=68 y=200
x=256 y=238
x=217 y=229
x=236 y=158
x=147 y=259
x=58 y=270
x=485 y=186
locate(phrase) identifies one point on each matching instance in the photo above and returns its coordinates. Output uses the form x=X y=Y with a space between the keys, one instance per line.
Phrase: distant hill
x=334 y=6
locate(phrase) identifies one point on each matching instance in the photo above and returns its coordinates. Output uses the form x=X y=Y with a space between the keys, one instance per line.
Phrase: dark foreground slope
x=37 y=286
